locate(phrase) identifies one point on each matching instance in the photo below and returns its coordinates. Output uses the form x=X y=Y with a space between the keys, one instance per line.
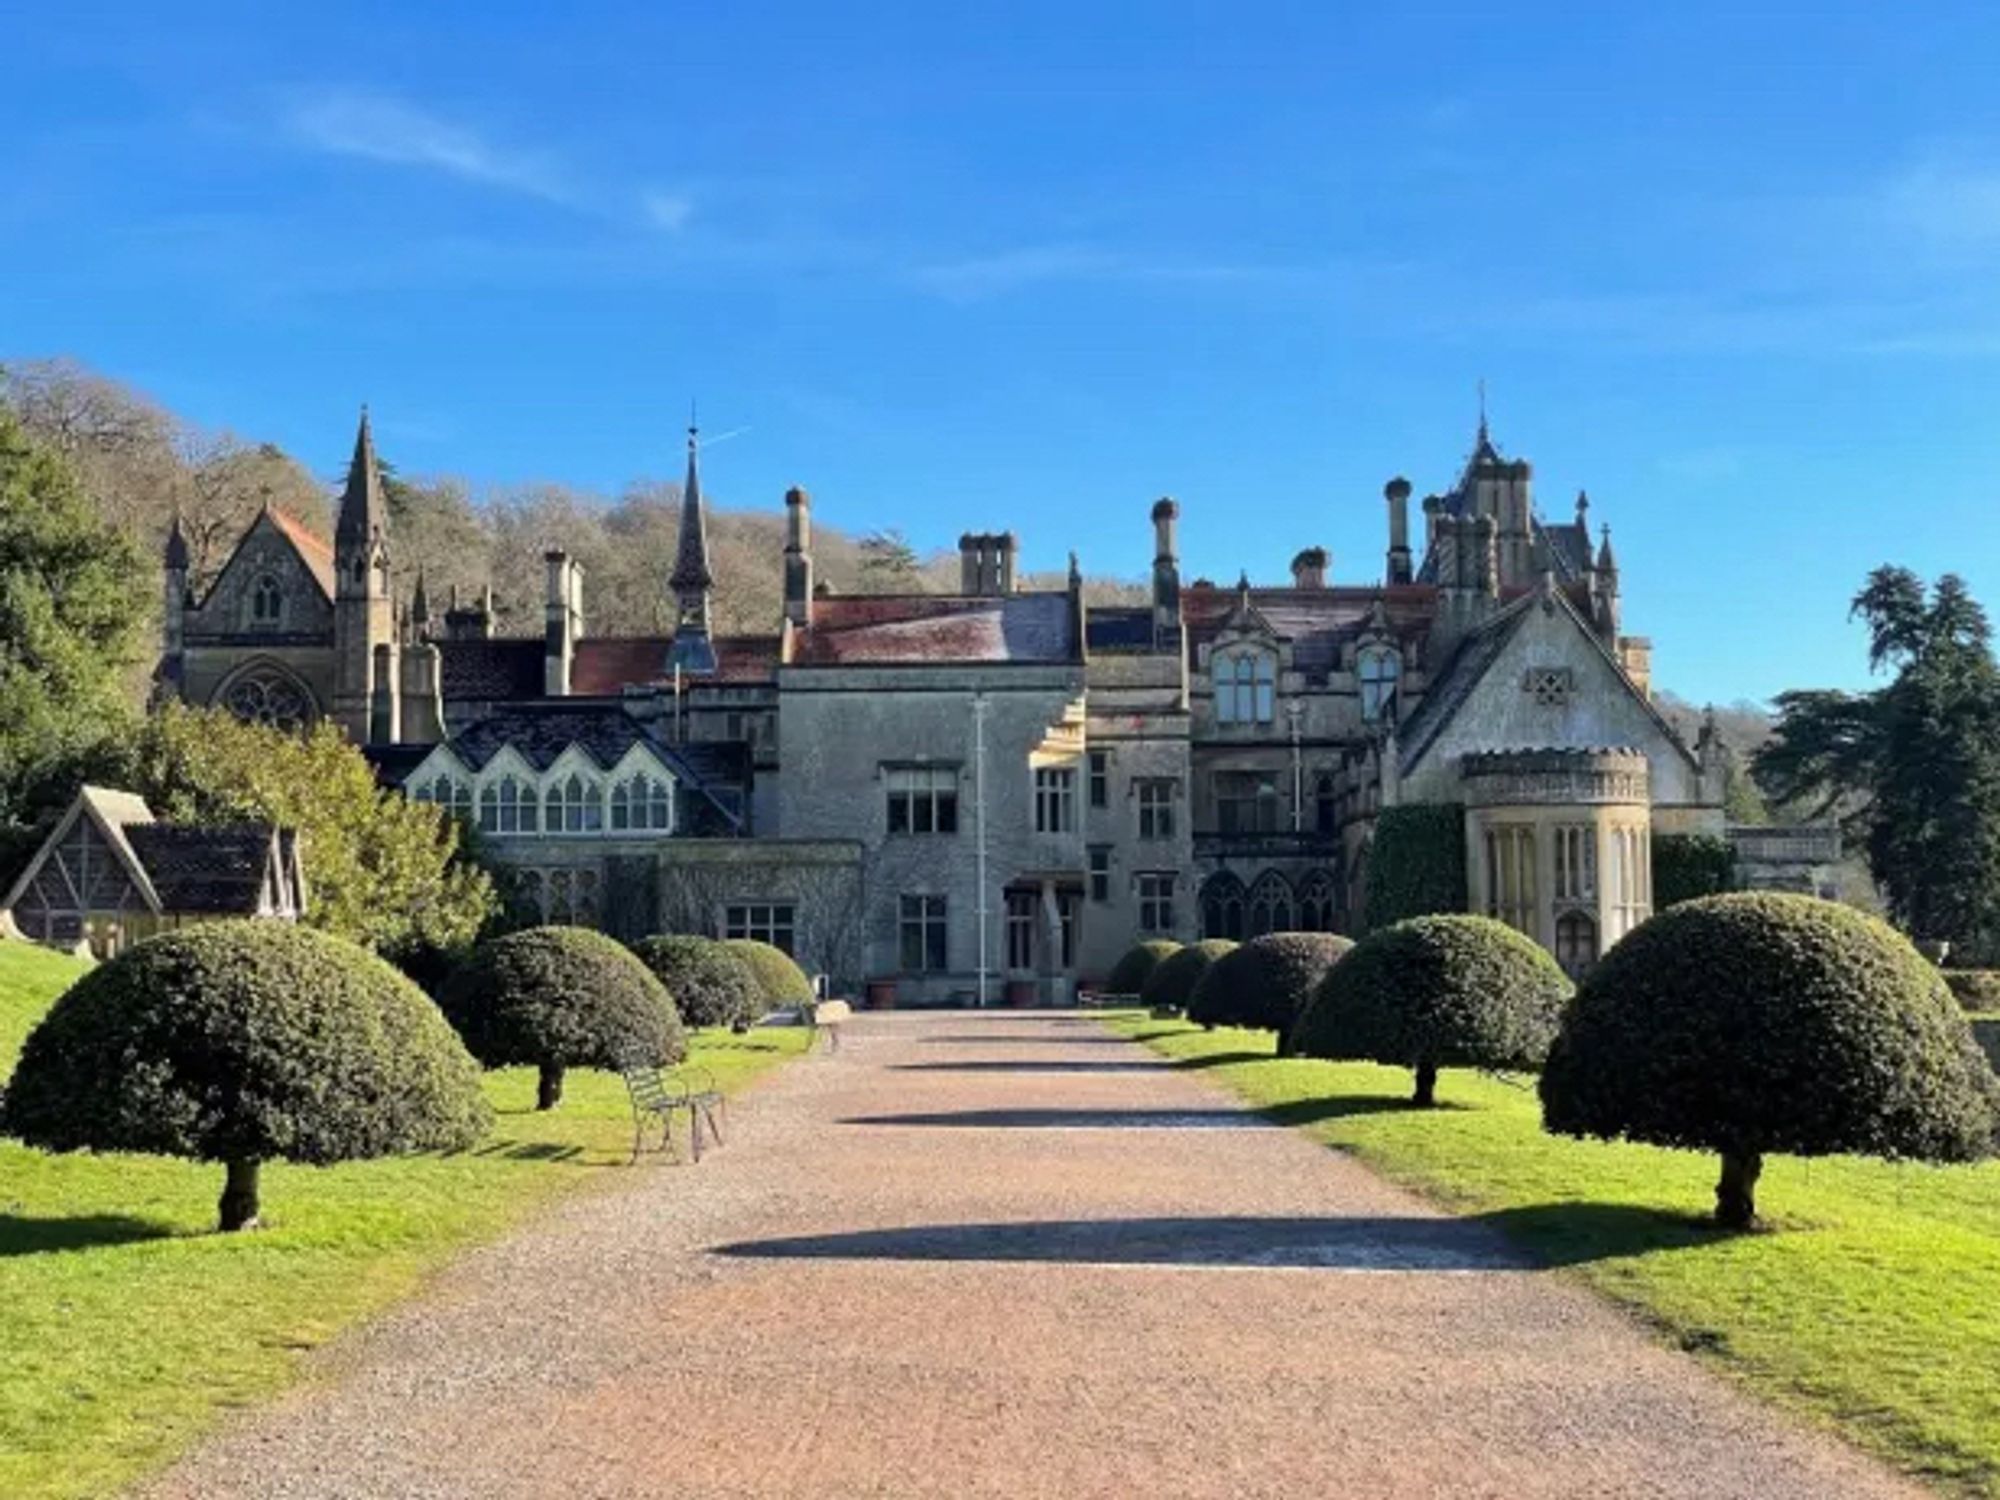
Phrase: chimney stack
x=1166 y=571
x=798 y=555
x=1397 y=493
x=1309 y=569
x=563 y=617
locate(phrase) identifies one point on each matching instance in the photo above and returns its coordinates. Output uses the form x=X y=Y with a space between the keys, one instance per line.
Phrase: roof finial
x=1482 y=409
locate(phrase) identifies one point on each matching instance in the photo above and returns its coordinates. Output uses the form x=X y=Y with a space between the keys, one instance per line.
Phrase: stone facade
x=990 y=794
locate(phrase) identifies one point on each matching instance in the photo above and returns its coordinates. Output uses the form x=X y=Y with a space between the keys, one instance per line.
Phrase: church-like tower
x=366 y=696
x=693 y=582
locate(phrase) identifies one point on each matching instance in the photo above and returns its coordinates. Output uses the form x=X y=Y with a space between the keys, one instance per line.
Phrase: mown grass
x=1872 y=1301
x=127 y=1327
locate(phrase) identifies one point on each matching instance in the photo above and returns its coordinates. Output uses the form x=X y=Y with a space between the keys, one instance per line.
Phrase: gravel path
x=1007 y=1255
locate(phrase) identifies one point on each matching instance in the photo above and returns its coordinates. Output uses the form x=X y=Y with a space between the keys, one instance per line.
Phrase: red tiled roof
x=607 y=666
x=939 y=628
x=316 y=554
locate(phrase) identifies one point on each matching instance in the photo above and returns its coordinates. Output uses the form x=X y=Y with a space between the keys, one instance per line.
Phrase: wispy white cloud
x=975 y=277
x=668 y=211
x=377 y=127
x=1954 y=204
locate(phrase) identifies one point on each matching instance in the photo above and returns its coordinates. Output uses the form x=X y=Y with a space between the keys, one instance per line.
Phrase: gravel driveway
x=1007 y=1255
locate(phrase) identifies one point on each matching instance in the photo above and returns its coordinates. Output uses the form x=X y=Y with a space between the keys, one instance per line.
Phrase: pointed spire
x=1583 y=511
x=177 y=546
x=1482 y=412
x=364 y=514
x=420 y=601
x=1607 y=561
x=691 y=569
x=692 y=580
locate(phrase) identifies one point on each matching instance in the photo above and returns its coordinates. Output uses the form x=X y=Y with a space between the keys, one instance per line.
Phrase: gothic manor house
x=991 y=793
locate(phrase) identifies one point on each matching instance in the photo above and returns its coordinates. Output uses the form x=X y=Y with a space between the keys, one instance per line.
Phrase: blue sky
x=1732 y=270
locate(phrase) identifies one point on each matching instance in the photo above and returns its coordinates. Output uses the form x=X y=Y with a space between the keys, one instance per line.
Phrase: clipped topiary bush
x=241 y=1043
x=555 y=998
x=1416 y=863
x=1758 y=1022
x=1136 y=965
x=1438 y=992
x=1267 y=982
x=1688 y=866
x=710 y=985
x=1976 y=989
x=780 y=981
x=1171 y=984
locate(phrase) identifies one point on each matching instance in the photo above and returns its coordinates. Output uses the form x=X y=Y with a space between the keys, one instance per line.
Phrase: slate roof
x=610 y=665
x=1317 y=622
x=1119 y=628
x=492 y=667
x=939 y=629
x=205 y=871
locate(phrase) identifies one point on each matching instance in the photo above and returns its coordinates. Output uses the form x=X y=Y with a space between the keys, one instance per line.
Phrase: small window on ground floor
x=773 y=922
x=924 y=948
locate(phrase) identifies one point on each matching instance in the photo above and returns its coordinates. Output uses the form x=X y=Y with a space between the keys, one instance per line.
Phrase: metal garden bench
x=658 y=1094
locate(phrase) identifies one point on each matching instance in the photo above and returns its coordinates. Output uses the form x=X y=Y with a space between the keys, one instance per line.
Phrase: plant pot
x=881 y=994
x=1021 y=993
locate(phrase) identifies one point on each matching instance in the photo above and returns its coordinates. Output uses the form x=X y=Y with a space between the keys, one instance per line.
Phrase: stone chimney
x=798 y=555
x=1397 y=493
x=986 y=563
x=423 y=699
x=563 y=622
x=1005 y=547
x=384 y=697
x=1166 y=570
x=1309 y=569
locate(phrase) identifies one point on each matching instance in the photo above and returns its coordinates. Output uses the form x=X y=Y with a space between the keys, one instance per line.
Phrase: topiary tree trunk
x=1284 y=1044
x=1427 y=1085
x=238 y=1208
x=548 y=1092
x=1736 y=1192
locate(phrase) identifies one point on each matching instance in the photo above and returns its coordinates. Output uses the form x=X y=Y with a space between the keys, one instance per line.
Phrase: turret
x=175 y=590
x=420 y=609
x=798 y=555
x=1166 y=572
x=364 y=616
x=693 y=649
x=1608 y=612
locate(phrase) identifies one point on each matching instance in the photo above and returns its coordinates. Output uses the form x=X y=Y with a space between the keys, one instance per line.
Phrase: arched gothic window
x=507 y=806
x=448 y=792
x=1270 y=905
x=642 y=802
x=1576 y=942
x=1319 y=903
x=1246 y=688
x=574 y=805
x=1222 y=907
x=268 y=695
x=1379 y=669
x=267 y=602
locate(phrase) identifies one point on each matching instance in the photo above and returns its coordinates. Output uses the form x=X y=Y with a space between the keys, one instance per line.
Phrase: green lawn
x=127 y=1327
x=1873 y=1301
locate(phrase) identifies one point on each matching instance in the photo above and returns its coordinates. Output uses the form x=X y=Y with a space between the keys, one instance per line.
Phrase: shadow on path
x=1076 y=1119
x=22 y=1235
x=1033 y=1065
x=1343 y=1244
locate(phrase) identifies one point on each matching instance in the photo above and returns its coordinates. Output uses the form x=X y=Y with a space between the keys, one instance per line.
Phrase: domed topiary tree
x=241 y=1043
x=1135 y=966
x=780 y=982
x=1171 y=984
x=561 y=997
x=1758 y=1022
x=1447 y=991
x=710 y=985
x=1266 y=983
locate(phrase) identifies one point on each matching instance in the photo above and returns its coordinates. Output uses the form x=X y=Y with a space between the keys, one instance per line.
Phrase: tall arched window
x=642 y=802
x=1319 y=903
x=267 y=602
x=507 y=806
x=1246 y=684
x=1326 y=803
x=575 y=805
x=1222 y=907
x=1379 y=668
x=1576 y=942
x=1270 y=905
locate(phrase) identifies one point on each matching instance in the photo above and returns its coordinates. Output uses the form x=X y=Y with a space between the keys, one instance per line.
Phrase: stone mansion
x=991 y=793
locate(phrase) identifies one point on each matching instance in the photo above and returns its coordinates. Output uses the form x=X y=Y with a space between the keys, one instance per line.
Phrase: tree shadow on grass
x=1200 y=1117
x=22 y=1235
x=1341 y=1106
x=532 y=1151
x=1222 y=1059
x=1575 y=1233
x=1035 y=1065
